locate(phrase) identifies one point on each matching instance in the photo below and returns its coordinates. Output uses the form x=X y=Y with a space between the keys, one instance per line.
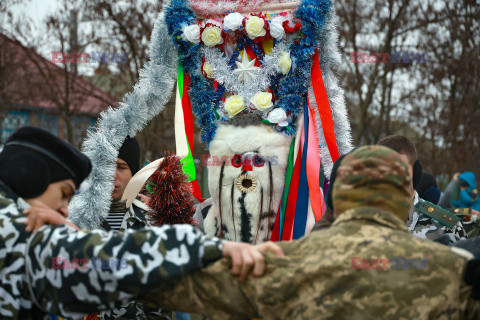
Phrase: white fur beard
x=246 y=213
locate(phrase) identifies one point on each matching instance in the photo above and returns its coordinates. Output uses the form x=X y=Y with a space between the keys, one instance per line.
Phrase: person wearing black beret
x=38 y=166
x=72 y=273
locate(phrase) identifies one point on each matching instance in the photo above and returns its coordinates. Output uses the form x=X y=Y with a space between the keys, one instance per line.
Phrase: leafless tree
x=434 y=101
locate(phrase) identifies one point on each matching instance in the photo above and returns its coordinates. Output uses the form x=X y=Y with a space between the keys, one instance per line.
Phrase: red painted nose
x=247 y=164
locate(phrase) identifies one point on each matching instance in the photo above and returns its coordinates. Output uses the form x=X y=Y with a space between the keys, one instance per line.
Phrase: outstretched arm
x=215 y=292
x=111 y=265
x=72 y=273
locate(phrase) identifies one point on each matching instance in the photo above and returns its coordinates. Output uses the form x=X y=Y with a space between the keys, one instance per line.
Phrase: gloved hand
x=447 y=239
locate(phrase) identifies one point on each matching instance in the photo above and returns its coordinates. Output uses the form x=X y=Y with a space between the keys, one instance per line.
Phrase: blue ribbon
x=301 y=209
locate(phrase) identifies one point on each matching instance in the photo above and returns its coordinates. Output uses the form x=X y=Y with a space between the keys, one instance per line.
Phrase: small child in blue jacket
x=468 y=195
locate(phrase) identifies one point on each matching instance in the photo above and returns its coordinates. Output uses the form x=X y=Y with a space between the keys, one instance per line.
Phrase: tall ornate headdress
x=260 y=61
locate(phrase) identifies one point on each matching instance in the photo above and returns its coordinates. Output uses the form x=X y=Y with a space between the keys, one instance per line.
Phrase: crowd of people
x=391 y=244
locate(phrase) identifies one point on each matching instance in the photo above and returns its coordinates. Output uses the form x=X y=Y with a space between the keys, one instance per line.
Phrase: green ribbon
x=288 y=179
x=188 y=165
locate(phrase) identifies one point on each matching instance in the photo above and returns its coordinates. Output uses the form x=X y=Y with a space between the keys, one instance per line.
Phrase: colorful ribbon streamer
x=184 y=130
x=313 y=168
x=301 y=208
x=303 y=171
x=324 y=107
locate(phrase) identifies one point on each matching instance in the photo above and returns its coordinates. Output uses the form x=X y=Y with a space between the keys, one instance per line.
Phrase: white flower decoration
x=208 y=69
x=212 y=36
x=233 y=21
x=278 y=116
x=255 y=27
x=285 y=62
x=276 y=28
x=191 y=33
x=234 y=105
x=262 y=101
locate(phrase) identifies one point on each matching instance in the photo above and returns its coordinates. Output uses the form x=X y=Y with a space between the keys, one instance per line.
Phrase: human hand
x=246 y=256
x=145 y=198
x=40 y=214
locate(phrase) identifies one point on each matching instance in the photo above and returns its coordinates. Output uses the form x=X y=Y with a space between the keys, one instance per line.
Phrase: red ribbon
x=287 y=233
x=276 y=227
x=313 y=168
x=187 y=111
x=188 y=119
x=324 y=107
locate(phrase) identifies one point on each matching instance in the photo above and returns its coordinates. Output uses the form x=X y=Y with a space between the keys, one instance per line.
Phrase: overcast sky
x=36 y=10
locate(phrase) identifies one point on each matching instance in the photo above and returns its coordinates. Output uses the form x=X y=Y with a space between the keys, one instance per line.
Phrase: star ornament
x=246 y=70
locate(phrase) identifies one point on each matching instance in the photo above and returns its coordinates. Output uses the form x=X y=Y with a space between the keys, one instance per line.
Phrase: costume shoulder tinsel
x=147 y=100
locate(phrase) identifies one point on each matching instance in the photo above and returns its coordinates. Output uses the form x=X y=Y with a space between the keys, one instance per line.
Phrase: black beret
x=33 y=158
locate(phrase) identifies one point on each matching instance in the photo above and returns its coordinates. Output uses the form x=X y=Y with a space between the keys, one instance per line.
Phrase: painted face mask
x=246 y=180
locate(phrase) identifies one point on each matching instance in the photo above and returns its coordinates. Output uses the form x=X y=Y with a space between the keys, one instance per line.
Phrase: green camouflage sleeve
x=472 y=310
x=212 y=292
x=72 y=273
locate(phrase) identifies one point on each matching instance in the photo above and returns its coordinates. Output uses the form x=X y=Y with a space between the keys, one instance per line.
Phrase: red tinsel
x=170 y=194
x=287 y=28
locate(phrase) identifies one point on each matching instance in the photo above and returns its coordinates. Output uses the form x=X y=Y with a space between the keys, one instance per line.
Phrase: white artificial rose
x=278 y=116
x=262 y=100
x=192 y=33
x=276 y=28
x=212 y=36
x=234 y=104
x=255 y=27
x=285 y=62
x=208 y=69
x=233 y=21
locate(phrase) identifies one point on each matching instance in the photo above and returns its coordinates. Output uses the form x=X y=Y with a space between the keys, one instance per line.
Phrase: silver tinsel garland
x=89 y=208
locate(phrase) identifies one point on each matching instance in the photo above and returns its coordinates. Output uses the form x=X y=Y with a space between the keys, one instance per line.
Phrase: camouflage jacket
x=429 y=221
x=135 y=218
x=366 y=266
x=73 y=273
